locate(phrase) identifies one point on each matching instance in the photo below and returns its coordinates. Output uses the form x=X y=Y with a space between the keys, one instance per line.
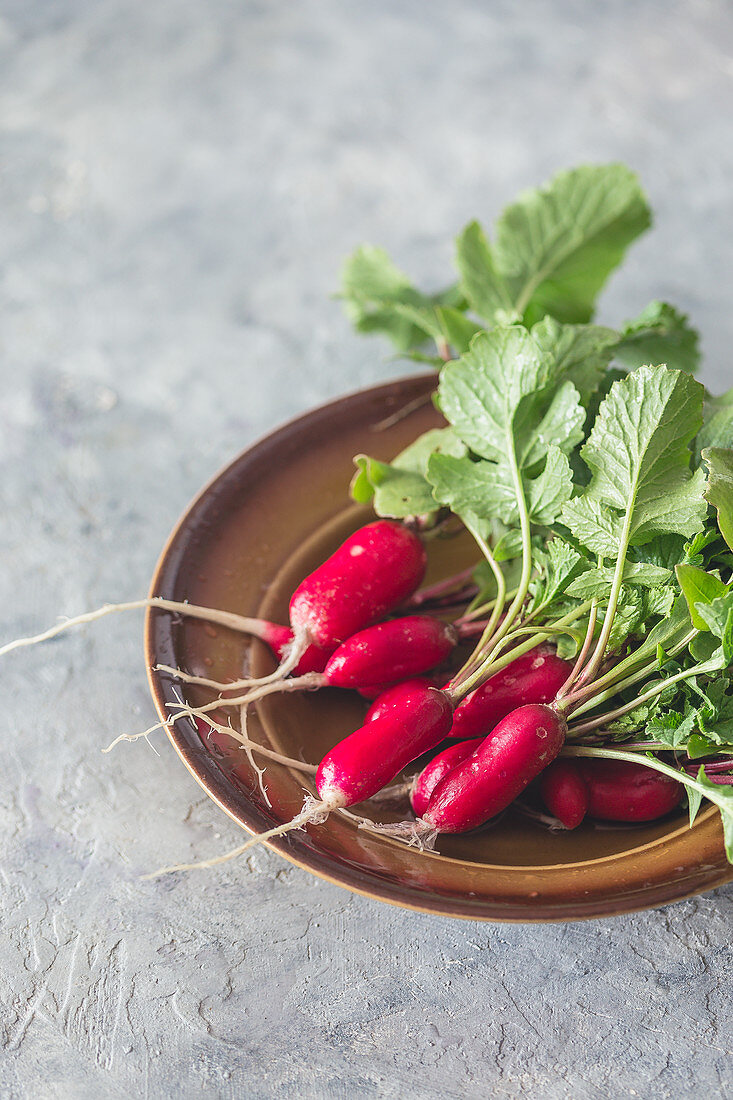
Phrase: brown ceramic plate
x=243 y=545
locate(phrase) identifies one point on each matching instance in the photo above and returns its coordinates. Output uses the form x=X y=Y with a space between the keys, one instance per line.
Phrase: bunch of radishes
x=506 y=728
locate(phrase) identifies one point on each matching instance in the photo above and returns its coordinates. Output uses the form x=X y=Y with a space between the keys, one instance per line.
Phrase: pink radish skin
x=514 y=753
x=535 y=677
x=367 y=760
x=371 y=573
x=399 y=648
x=280 y=638
x=390 y=695
x=428 y=779
x=621 y=791
x=373 y=691
x=565 y=793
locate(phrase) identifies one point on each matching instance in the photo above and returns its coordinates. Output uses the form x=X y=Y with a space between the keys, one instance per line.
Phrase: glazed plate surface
x=243 y=545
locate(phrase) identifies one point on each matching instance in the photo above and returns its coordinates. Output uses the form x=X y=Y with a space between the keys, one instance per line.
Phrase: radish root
x=193 y=712
x=239 y=623
x=314 y=812
x=415 y=834
x=259 y=772
x=294 y=652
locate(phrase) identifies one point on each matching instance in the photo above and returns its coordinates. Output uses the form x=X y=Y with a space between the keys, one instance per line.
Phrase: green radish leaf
x=671 y=728
x=487 y=490
x=660 y=334
x=594 y=525
x=598 y=581
x=458 y=331
x=436 y=441
x=694 y=801
x=720 y=488
x=442 y=324
x=395 y=493
x=509 y=546
x=372 y=285
x=718 y=615
x=717 y=430
x=399 y=489
x=722 y=797
x=698 y=587
x=668 y=633
x=556 y=246
x=639 y=458
x=560 y=428
x=703 y=645
x=581 y=352
x=665 y=550
x=379 y=297
x=481 y=393
x=485 y=289
x=698 y=746
x=560 y=563
x=548 y=492
x=479 y=487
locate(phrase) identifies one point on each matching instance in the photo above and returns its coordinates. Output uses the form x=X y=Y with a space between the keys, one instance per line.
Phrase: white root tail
x=314 y=812
x=294 y=652
x=416 y=834
x=259 y=772
x=239 y=623
x=309 y=682
x=193 y=712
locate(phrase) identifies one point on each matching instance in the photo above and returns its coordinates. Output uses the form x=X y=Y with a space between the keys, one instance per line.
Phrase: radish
x=390 y=651
x=622 y=791
x=565 y=792
x=534 y=677
x=401 y=647
x=486 y=782
x=371 y=573
x=365 y=761
x=390 y=695
x=428 y=779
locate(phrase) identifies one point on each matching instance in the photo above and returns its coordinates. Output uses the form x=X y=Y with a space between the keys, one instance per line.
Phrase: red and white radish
x=565 y=792
x=534 y=677
x=371 y=573
x=365 y=761
x=390 y=695
x=500 y=768
x=390 y=651
x=425 y=783
x=621 y=791
x=403 y=647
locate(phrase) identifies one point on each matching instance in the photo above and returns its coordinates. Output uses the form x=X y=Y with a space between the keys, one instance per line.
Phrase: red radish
x=428 y=779
x=622 y=791
x=389 y=651
x=565 y=792
x=535 y=677
x=514 y=753
x=403 y=647
x=371 y=573
x=373 y=691
x=390 y=695
x=365 y=761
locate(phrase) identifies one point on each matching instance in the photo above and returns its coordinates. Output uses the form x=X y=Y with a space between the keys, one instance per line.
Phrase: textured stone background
x=179 y=182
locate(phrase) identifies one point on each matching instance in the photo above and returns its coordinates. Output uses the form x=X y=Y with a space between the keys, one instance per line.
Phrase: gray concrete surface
x=179 y=182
